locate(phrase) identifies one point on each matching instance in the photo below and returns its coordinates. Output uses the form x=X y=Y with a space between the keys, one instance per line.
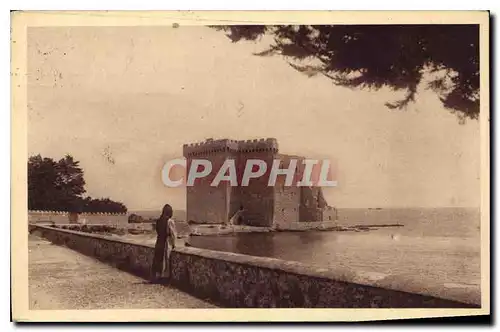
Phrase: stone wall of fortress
x=263 y=205
x=207 y=204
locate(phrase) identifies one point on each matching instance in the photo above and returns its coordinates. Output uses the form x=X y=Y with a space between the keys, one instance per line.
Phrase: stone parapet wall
x=259 y=282
x=236 y=280
x=125 y=255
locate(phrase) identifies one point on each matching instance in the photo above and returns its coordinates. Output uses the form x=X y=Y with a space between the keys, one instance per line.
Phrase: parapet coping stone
x=411 y=285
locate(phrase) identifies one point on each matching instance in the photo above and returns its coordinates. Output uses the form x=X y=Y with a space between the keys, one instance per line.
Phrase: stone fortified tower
x=209 y=204
x=263 y=205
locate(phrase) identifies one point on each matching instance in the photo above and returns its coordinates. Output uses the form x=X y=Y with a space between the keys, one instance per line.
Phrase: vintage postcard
x=327 y=166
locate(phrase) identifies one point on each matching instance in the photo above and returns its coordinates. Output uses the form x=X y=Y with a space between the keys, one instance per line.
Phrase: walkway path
x=60 y=278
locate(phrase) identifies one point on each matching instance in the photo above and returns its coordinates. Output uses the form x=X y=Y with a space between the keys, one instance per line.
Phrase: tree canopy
x=102 y=205
x=376 y=56
x=60 y=185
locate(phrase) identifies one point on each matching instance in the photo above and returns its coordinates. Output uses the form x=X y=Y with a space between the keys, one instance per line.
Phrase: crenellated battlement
x=65 y=213
x=263 y=144
x=48 y=212
x=211 y=146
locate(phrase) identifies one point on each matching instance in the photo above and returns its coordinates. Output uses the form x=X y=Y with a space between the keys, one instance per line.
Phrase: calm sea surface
x=441 y=244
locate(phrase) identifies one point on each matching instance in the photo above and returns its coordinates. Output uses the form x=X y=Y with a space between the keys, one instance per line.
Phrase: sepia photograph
x=333 y=163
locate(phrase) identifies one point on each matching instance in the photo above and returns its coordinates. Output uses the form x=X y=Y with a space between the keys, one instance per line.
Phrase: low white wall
x=61 y=217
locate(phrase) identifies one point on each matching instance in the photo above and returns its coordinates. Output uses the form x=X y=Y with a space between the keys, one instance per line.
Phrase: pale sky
x=136 y=94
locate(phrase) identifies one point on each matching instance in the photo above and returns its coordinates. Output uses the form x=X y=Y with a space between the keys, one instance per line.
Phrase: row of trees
x=102 y=205
x=60 y=186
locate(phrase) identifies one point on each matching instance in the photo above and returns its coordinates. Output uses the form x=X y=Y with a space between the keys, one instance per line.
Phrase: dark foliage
x=59 y=186
x=54 y=185
x=374 y=56
x=102 y=205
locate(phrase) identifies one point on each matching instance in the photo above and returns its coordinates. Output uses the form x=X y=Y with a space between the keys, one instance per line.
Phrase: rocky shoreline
x=215 y=230
x=185 y=230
